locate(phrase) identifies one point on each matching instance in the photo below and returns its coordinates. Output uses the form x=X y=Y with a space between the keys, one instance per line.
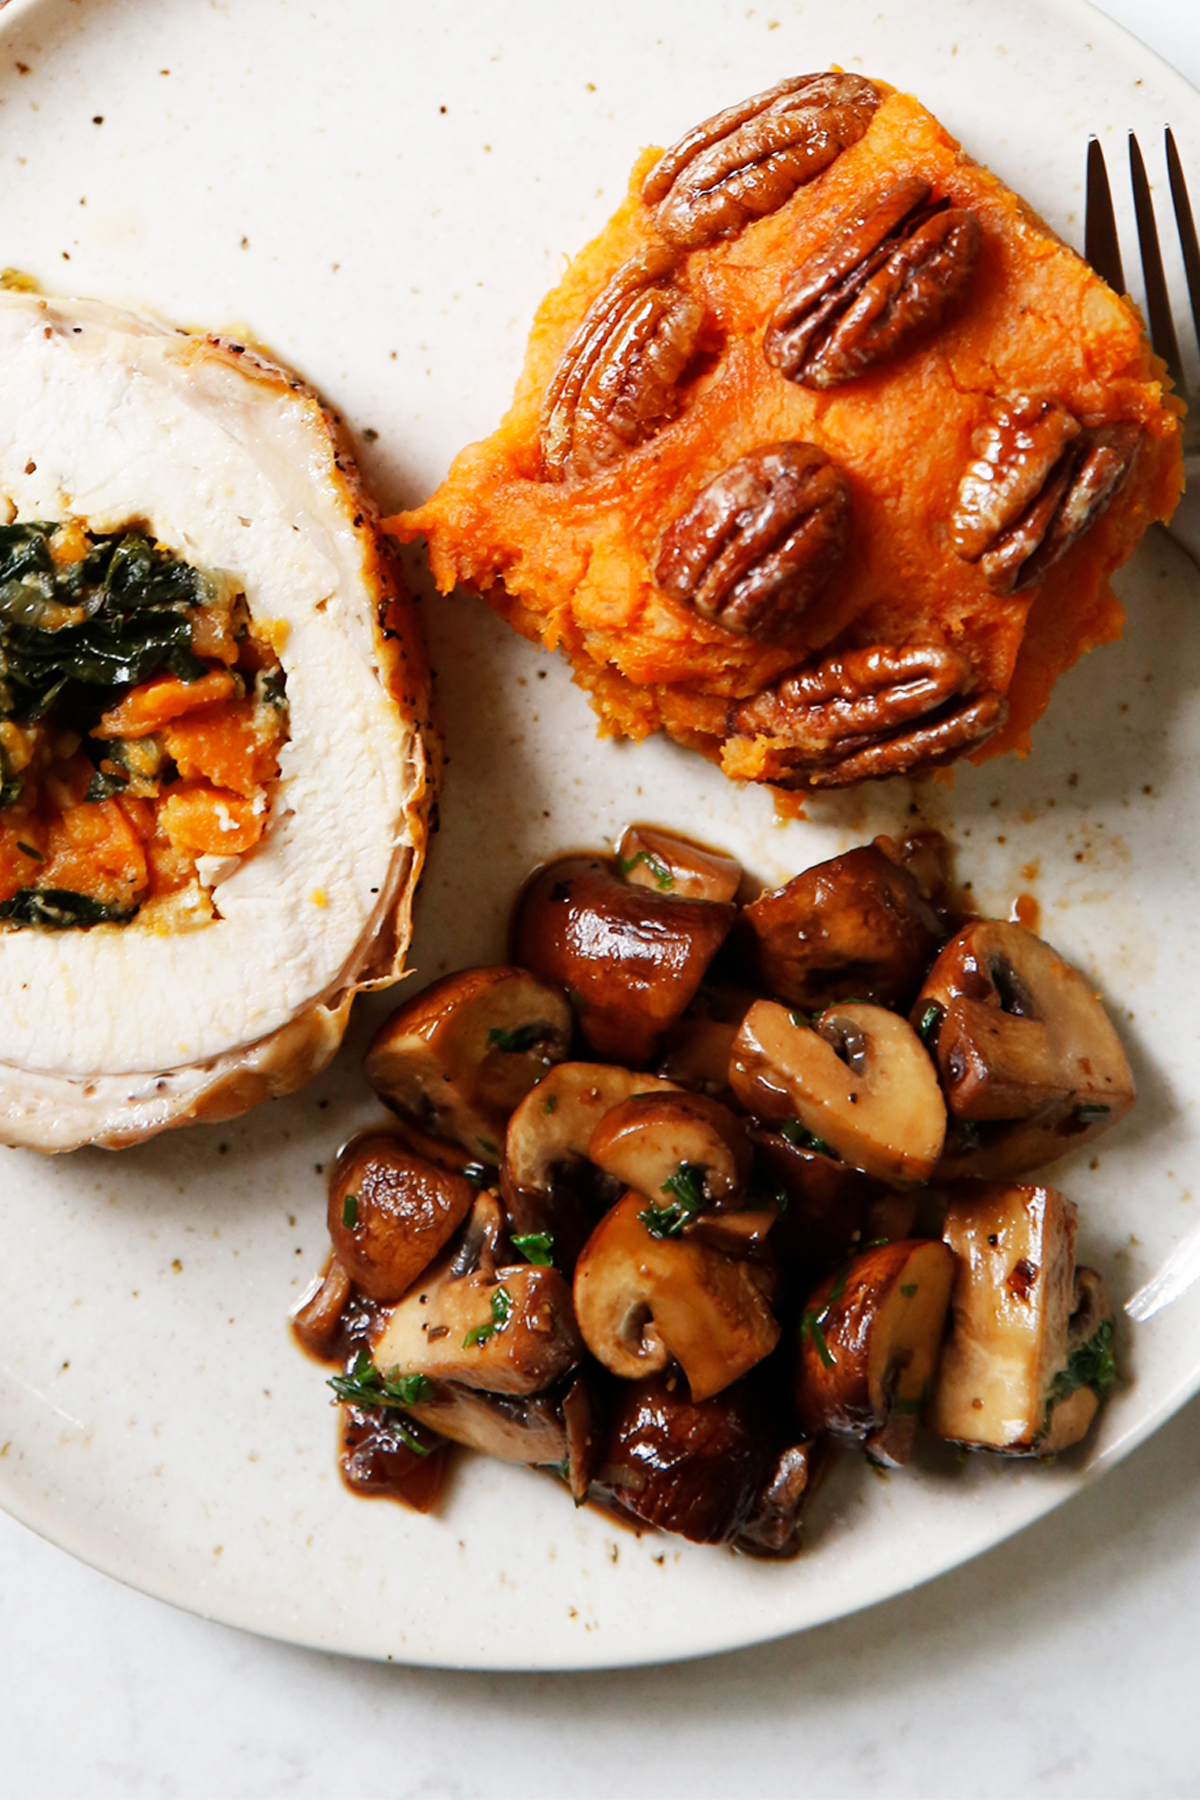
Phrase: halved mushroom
x=382 y=1454
x=772 y=1525
x=686 y=1465
x=546 y=1175
x=856 y=927
x=859 y=1080
x=509 y=1330
x=316 y=1319
x=457 y=1057
x=1027 y=1056
x=684 y=1152
x=1029 y=1357
x=830 y=1208
x=669 y=864
x=869 y=1343
x=516 y=1428
x=390 y=1212
x=631 y=959
x=643 y=1300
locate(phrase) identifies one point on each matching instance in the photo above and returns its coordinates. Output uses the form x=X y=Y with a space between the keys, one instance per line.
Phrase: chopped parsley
x=930 y=1020
x=104 y=785
x=811 y=1324
x=1090 y=1112
x=501 y=1313
x=664 y=881
x=795 y=1134
x=350 y=1211
x=913 y=1406
x=536 y=1247
x=1091 y=1365
x=908 y=1289
x=686 y=1187
x=365 y=1385
x=520 y=1037
x=550 y=1103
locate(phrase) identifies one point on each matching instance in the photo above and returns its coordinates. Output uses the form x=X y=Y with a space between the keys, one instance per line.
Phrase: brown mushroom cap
x=859 y=1080
x=648 y=1142
x=694 y=1467
x=631 y=958
x=642 y=1301
x=507 y=1329
x=390 y=1212
x=830 y=1207
x=666 y=863
x=457 y=1057
x=856 y=927
x=869 y=1342
x=1025 y=1051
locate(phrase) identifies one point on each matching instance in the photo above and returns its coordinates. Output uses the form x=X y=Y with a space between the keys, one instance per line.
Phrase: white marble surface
x=1064 y=1663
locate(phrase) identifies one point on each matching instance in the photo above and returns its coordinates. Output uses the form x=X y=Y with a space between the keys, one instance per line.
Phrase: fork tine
x=1162 y=326
x=1100 y=243
x=1186 y=225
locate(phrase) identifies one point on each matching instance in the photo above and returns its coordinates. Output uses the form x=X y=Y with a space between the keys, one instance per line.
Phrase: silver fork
x=1103 y=251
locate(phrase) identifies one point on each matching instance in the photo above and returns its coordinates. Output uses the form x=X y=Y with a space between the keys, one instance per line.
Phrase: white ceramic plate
x=383 y=191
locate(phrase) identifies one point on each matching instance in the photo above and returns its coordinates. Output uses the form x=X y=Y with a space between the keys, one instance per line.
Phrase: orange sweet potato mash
x=572 y=562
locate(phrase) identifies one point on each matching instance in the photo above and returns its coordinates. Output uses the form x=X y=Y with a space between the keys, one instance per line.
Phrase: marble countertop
x=1064 y=1663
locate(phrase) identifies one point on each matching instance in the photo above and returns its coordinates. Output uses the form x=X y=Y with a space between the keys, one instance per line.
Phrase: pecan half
x=760 y=541
x=615 y=383
x=1036 y=483
x=882 y=282
x=747 y=161
x=862 y=714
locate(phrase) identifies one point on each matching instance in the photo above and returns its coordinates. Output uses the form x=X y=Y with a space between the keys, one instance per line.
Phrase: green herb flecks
x=536 y=1247
x=476 y=1173
x=367 y=1386
x=30 y=850
x=60 y=909
x=811 y=1327
x=350 y=1211
x=520 y=1037
x=915 y=1406
x=550 y=1103
x=664 y=881
x=930 y=1021
x=119 y=615
x=1092 y=1365
x=686 y=1188
x=1090 y=1112
x=104 y=785
x=501 y=1313
x=908 y=1289
x=795 y=1134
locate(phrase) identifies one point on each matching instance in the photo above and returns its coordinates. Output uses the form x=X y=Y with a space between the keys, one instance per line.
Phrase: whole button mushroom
x=855 y=927
x=1028 y=1059
x=457 y=1057
x=390 y=1212
x=1029 y=1357
x=643 y=1301
x=869 y=1342
x=859 y=1080
x=631 y=959
x=686 y=1465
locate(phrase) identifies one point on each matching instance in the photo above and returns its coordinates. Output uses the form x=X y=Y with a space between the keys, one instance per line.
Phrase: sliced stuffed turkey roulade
x=214 y=771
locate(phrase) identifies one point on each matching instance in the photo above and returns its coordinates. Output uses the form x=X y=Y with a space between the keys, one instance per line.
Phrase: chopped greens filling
x=60 y=910
x=365 y=1385
x=119 y=614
